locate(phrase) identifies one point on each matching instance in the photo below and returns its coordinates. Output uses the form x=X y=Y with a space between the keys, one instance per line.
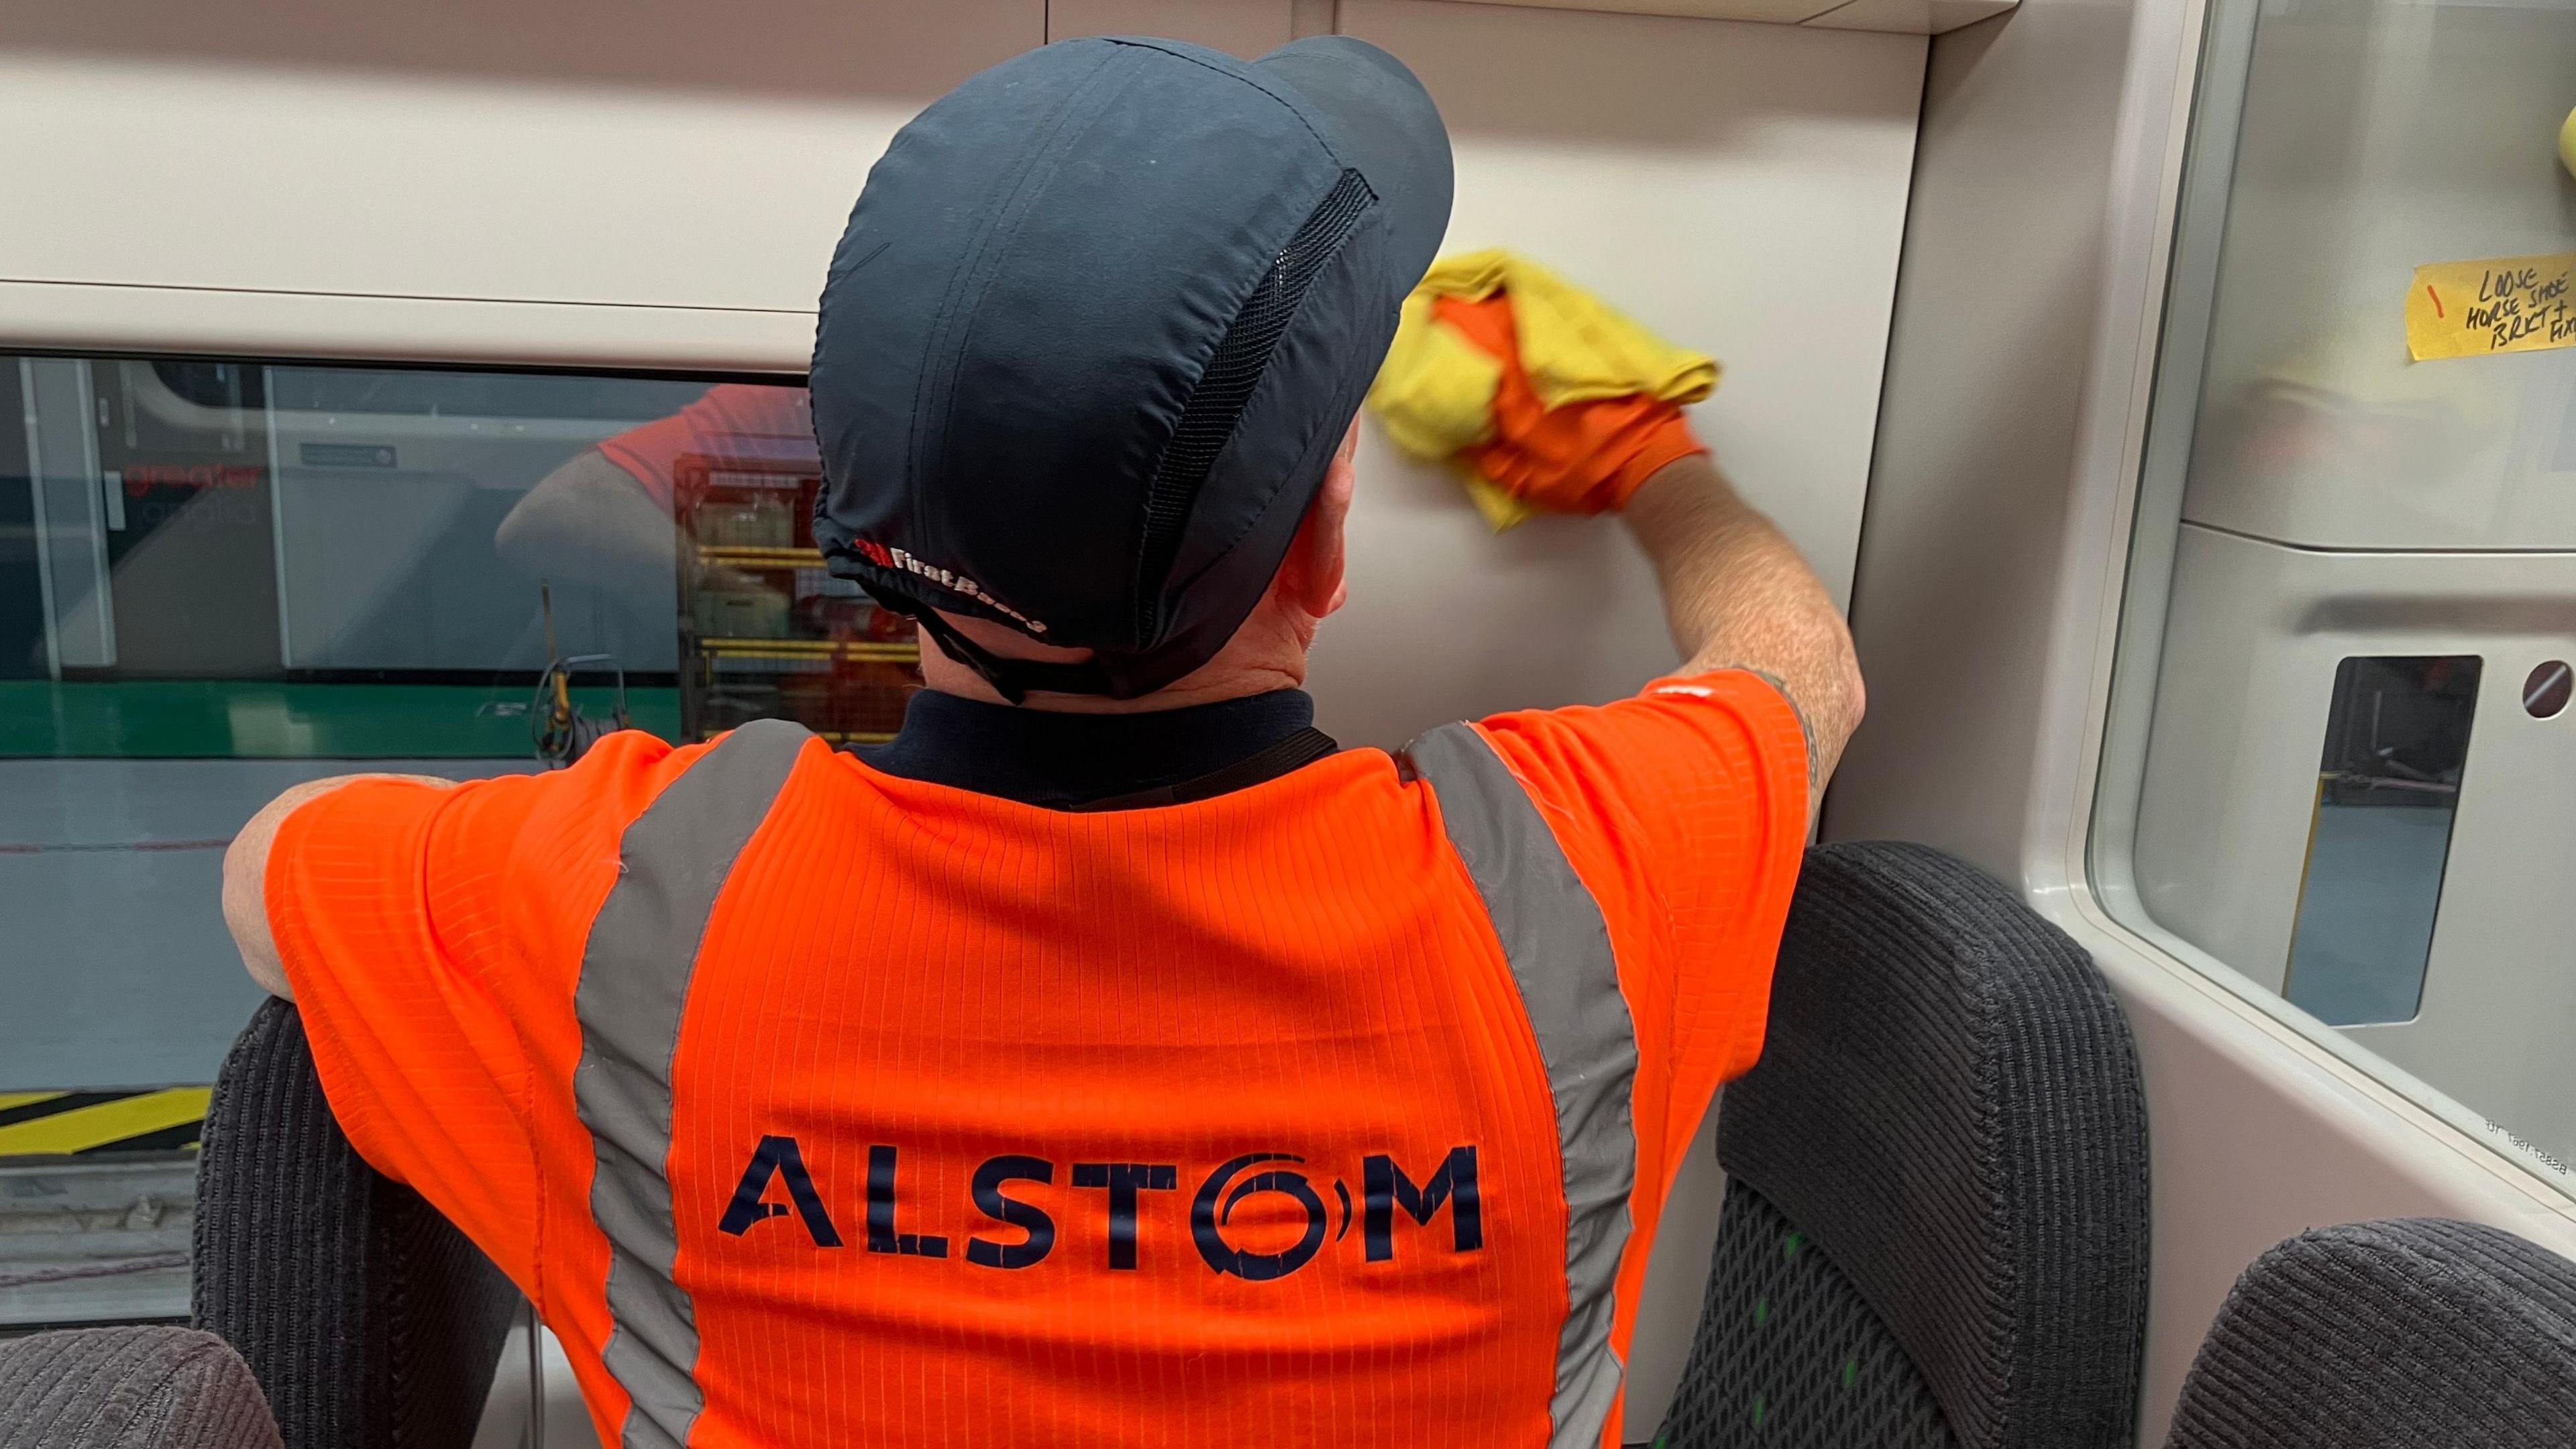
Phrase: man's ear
x=1312 y=574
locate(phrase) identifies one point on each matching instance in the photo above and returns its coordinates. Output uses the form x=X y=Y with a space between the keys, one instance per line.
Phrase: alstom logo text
x=1131 y=1193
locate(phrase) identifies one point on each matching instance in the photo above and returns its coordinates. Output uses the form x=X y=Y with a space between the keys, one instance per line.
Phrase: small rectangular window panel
x=208 y=559
x=2388 y=789
x=221 y=577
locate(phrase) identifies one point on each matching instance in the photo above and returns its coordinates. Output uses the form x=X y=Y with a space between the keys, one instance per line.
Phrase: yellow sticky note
x=2503 y=304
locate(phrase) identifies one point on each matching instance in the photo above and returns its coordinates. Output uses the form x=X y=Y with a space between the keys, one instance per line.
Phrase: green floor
x=214 y=719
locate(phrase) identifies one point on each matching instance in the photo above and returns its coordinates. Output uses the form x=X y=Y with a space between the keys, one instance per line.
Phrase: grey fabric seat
x=368 y=1319
x=1935 y=1223
x=2409 y=1332
x=133 y=1387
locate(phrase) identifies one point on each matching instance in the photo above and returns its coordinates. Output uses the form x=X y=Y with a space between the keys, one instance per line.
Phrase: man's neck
x=1266 y=655
x=1176 y=696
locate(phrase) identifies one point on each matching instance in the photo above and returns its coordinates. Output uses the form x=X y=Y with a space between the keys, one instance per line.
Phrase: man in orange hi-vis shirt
x=1111 y=1059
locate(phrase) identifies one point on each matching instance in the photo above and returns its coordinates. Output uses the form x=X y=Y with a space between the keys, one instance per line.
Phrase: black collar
x=1102 y=761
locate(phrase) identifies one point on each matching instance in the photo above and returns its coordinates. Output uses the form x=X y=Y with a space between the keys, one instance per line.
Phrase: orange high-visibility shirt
x=816 y=1106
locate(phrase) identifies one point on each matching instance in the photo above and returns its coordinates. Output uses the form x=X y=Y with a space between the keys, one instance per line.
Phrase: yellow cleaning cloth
x=1435 y=394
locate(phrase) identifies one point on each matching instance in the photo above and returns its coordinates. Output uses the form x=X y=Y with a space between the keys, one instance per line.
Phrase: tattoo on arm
x=1806 y=730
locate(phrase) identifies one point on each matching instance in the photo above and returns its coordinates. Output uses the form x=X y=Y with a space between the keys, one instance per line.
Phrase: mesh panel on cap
x=1217 y=402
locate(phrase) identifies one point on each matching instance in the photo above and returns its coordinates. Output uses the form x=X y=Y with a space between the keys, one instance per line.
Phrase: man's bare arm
x=590 y=521
x=1739 y=596
x=246 y=876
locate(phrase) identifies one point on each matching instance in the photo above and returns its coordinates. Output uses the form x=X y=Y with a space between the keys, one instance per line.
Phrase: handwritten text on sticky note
x=2505 y=304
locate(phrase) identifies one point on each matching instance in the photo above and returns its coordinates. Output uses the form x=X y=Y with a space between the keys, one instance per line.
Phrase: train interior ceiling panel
x=424 y=389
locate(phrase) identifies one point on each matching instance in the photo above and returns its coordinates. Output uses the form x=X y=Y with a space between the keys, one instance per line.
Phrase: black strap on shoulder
x=1291 y=754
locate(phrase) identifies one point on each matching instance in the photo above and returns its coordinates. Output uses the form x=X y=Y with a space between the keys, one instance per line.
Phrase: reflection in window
x=2397 y=739
x=210 y=569
x=2331 y=534
x=764 y=630
x=208 y=559
x=219 y=578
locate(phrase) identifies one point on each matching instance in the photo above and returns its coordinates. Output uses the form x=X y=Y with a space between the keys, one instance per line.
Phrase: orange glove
x=1583 y=457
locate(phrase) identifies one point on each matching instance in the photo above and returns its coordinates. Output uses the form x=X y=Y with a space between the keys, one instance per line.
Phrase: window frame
x=22 y=358
x=2168 y=222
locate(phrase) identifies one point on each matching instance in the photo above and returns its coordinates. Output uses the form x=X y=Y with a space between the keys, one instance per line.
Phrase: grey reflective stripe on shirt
x=1558 y=948
x=635 y=973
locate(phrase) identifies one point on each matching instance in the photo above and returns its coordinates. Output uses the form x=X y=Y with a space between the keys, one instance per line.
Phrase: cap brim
x=1381 y=121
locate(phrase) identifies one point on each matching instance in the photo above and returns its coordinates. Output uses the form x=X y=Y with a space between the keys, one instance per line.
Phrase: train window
x=2397 y=741
x=220 y=577
x=2337 y=541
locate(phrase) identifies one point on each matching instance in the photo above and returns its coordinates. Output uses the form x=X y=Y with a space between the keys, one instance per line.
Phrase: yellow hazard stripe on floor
x=21 y=1099
x=101 y=1123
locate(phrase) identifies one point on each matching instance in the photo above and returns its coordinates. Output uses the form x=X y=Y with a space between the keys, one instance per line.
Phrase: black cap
x=1098 y=322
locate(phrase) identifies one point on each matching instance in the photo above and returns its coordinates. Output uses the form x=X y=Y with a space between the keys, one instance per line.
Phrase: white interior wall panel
x=431 y=184
x=1912 y=17
x=1240 y=27
x=817 y=49
x=571 y=153
x=1741 y=189
x=1907 y=17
